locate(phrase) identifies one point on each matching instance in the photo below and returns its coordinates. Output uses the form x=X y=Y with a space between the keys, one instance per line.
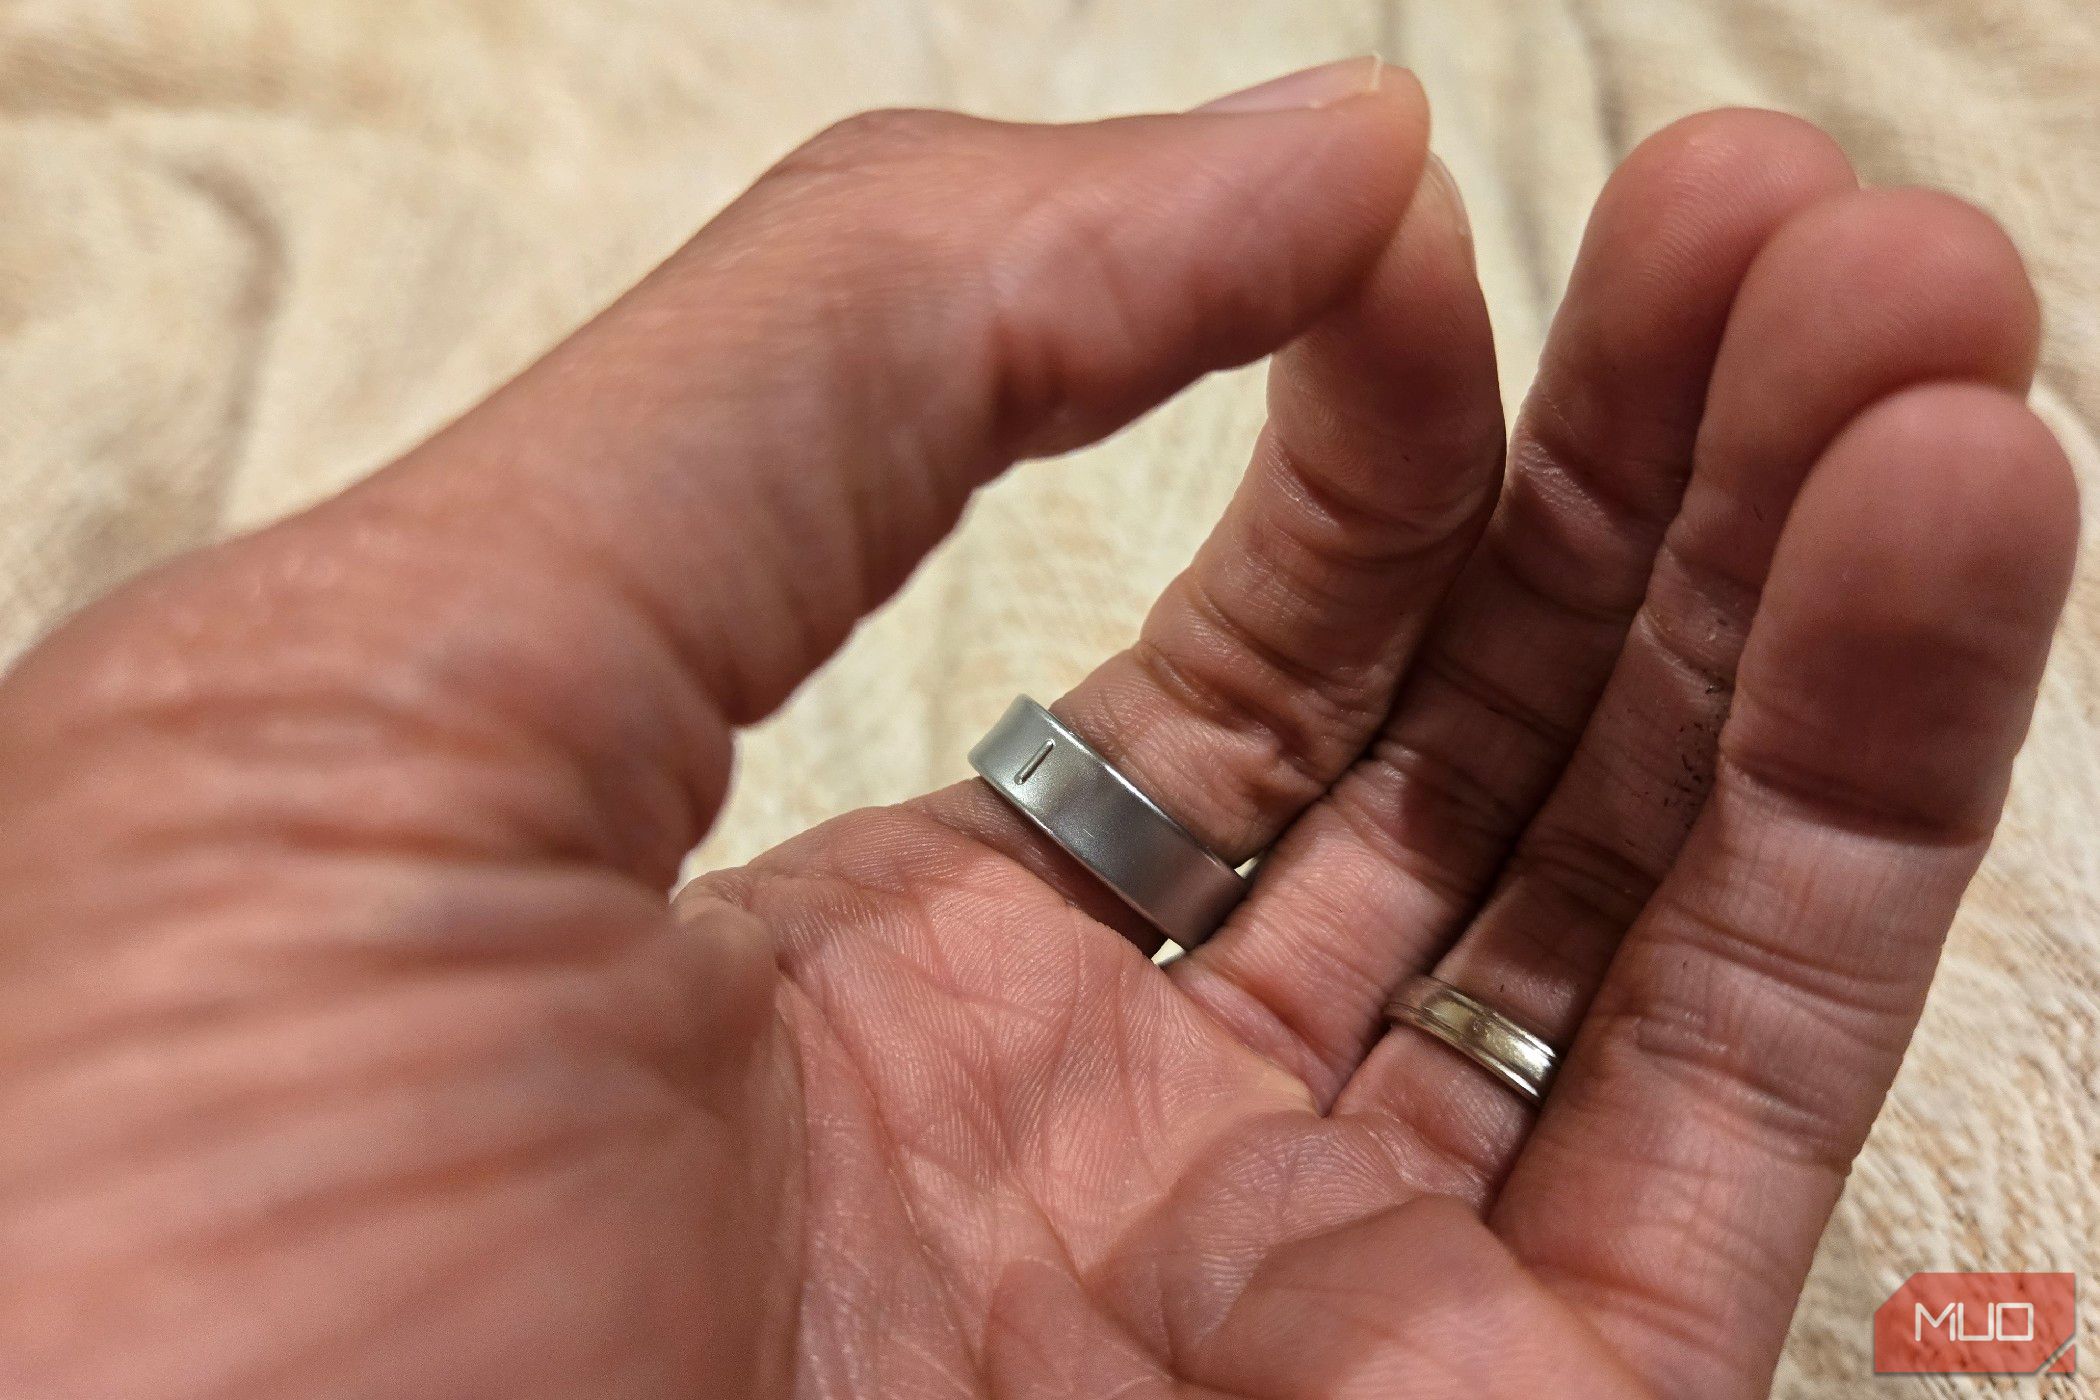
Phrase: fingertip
x=1362 y=108
x=1932 y=274
x=1438 y=203
x=1405 y=100
x=1768 y=147
x=1227 y=233
x=1976 y=252
x=1950 y=494
x=1896 y=656
x=1383 y=126
x=1676 y=231
x=1692 y=203
x=1321 y=85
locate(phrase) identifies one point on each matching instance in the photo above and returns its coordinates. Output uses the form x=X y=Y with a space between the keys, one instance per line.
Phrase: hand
x=349 y=1047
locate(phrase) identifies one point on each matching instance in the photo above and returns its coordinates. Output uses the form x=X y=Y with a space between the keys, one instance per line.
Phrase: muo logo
x=1979 y=1324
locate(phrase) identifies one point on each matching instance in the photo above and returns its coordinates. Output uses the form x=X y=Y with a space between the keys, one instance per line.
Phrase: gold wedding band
x=1479 y=1032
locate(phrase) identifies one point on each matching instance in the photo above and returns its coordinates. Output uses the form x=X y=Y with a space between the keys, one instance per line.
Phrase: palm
x=1034 y=1166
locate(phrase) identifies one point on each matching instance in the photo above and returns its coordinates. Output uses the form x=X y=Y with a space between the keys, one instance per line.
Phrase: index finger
x=551 y=619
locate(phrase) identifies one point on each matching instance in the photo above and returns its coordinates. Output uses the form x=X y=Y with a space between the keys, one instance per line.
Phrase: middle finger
x=1373 y=879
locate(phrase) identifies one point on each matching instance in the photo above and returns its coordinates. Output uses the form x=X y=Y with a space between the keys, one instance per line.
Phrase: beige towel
x=251 y=248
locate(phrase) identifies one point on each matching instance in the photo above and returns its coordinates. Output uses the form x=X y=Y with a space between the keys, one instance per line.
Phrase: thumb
x=537 y=634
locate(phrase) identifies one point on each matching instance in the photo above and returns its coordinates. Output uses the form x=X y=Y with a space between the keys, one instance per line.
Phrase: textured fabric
x=251 y=248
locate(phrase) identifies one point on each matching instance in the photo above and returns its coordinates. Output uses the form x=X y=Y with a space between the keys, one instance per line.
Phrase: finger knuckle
x=1594 y=883
x=875 y=211
x=872 y=143
x=1034 y=281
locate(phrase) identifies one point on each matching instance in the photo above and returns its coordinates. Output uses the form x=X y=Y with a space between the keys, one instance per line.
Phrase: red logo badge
x=1979 y=1324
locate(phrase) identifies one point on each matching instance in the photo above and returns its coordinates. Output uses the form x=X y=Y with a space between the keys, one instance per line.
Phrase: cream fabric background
x=251 y=248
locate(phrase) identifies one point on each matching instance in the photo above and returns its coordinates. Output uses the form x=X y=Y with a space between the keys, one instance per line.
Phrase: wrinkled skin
x=349 y=1046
